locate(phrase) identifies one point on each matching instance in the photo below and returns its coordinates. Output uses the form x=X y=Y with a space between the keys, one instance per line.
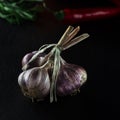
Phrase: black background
x=99 y=55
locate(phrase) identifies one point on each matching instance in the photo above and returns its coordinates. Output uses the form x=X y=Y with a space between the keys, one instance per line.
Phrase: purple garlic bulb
x=71 y=77
x=35 y=63
x=35 y=83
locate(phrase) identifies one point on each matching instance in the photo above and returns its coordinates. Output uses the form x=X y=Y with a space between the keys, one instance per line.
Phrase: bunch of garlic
x=48 y=74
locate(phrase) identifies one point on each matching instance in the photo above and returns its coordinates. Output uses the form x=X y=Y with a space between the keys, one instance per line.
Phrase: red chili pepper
x=86 y=14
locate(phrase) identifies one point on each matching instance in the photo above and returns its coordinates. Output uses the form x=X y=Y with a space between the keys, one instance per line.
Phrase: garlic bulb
x=71 y=77
x=36 y=63
x=45 y=72
x=35 y=83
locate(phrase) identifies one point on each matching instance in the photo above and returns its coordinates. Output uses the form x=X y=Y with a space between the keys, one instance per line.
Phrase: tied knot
x=59 y=47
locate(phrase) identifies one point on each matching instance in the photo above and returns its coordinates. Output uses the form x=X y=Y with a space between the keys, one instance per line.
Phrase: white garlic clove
x=35 y=83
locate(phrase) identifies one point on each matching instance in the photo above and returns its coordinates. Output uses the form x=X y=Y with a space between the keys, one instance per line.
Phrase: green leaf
x=19 y=10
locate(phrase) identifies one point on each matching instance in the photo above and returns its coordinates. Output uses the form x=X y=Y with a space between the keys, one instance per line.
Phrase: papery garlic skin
x=36 y=63
x=35 y=83
x=71 y=77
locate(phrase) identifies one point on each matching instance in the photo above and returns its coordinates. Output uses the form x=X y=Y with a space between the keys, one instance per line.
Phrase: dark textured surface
x=99 y=55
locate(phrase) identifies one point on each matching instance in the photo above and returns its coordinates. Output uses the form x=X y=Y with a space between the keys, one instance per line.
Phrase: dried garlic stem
x=65 y=35
x=75 y=41
x=71 y=35
x=56 y=68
